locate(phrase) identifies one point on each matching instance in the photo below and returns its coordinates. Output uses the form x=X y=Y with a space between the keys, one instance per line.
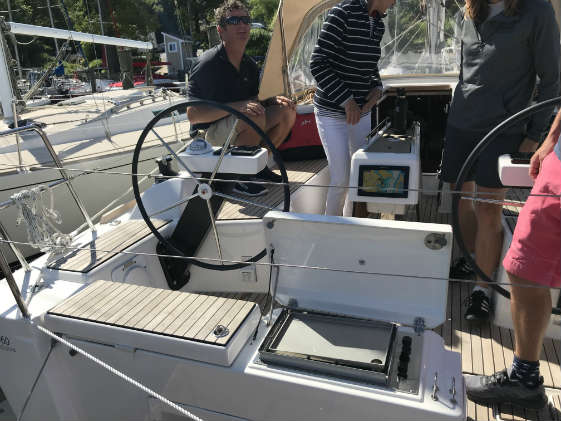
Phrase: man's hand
x=249 y=106
x=538 y=157
x=284 y=102
x=372 y=98
x=352 y=110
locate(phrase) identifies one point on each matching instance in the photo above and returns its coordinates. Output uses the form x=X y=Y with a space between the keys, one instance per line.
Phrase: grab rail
x=5 y=267
x=58 y=162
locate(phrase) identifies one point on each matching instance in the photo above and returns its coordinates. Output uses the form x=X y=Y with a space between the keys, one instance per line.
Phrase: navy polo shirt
x=213 y=77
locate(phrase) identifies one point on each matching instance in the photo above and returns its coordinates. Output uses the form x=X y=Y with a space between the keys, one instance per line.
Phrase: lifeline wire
x=278 y=265
x=290 y=183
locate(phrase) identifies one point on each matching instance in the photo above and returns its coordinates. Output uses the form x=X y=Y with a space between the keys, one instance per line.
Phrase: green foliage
x=129 y=19
x=196 y=15
x=258 y=42
x=264 y=11
x=125 y=19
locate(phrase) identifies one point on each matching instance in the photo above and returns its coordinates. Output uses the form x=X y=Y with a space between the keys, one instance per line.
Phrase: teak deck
x=298 y=172
x=164 y=312
x=106 y=246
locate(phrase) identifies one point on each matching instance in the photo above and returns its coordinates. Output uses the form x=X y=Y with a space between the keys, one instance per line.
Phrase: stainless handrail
x=15 y=250
x=5 y=267
x=4 y=233
x=15 y=112
x=54 y=156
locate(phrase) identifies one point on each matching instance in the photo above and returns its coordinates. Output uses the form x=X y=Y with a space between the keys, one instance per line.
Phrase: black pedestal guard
x=511 y=121
x=188 y=233
x=187 y=237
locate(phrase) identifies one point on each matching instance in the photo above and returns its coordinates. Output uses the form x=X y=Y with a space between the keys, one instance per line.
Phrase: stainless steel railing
x=5 y=267
x=66 y=179
x=58 y=162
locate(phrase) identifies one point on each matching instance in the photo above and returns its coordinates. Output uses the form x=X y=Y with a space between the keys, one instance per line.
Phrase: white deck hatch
x=391 y=271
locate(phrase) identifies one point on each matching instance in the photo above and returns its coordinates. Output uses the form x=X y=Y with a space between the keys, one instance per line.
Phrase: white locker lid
x=393 y=271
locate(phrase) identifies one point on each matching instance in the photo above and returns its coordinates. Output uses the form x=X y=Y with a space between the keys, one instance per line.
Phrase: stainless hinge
x=419 y=325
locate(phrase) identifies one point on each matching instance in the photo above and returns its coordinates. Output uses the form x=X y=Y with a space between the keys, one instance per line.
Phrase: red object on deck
x=304 y=141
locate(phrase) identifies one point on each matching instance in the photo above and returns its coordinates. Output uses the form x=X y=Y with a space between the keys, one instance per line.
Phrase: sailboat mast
x=6 y=80
x=52 y=23
x=104 y=58
x=14 y=40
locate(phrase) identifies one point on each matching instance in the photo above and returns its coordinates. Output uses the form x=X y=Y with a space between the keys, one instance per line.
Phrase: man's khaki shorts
x=218 y=132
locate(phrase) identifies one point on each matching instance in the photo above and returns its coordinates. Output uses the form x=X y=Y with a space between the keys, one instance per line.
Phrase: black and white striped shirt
x=345 y=60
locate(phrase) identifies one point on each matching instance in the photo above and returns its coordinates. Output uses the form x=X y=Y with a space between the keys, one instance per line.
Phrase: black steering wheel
x=204 y=190
x=479 y=149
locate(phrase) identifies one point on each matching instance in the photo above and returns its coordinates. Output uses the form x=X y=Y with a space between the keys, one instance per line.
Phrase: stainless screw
x=435 y=388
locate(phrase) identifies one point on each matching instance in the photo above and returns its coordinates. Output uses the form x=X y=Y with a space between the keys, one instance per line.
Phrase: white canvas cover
x=296 y=16
x=421 y=40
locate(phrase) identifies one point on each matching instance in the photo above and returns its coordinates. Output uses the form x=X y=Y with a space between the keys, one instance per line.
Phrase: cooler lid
x=393 y=271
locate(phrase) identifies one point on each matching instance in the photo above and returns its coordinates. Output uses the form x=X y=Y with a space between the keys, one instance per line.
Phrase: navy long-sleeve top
x=501 y=58
x=345 y=60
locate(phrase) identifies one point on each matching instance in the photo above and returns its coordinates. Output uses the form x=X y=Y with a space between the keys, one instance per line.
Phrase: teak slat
x=106 y=246
x=181 y=314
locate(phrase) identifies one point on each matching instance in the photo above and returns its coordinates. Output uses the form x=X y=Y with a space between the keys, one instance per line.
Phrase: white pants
x=340 y=141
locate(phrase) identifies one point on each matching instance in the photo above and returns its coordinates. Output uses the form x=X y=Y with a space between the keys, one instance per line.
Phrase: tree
x=264 y=11
x=197 y=15
x=121 y=18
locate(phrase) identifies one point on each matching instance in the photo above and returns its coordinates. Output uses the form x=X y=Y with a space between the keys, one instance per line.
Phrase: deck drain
x=220 y=331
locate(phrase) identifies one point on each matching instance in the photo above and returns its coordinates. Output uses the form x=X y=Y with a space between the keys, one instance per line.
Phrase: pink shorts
x=535 y=251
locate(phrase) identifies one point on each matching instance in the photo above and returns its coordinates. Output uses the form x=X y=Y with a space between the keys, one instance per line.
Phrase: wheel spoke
x=213 y=223
x=172 y=152
x=174 y=205
x=204 y=189
x=247 y=202
x=225 y=147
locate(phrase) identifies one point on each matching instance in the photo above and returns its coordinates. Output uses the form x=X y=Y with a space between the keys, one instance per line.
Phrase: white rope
x=120 y=374
x=40 y=219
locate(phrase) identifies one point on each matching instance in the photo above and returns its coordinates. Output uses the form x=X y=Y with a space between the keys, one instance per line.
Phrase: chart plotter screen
x=383 y=181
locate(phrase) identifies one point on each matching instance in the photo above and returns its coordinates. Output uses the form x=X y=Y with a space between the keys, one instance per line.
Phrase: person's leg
x=533 y=264
x=458 y=144
x=489 y=237
x=530 y=306
x=466 y=214
x=279 y=122
x=334 y=138
x=247 y=136
x=357 y=140
x=488 y=246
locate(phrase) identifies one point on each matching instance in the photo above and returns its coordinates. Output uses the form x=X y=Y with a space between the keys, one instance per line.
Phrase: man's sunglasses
x=236 y=20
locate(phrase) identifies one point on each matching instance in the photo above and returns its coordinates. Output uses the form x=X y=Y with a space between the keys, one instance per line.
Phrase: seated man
x=225 y=74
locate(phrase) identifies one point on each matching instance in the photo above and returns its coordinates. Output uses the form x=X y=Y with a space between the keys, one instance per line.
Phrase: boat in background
x=92 y=132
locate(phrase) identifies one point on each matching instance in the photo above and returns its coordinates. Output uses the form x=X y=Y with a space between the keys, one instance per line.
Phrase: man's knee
x=289 y=117
x=525 y=291
x=489 y=214
x=259 y=120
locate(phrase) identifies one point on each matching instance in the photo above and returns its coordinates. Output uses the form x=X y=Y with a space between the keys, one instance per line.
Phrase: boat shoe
x=499 y=388
x=461 y=269
x=478 y=307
